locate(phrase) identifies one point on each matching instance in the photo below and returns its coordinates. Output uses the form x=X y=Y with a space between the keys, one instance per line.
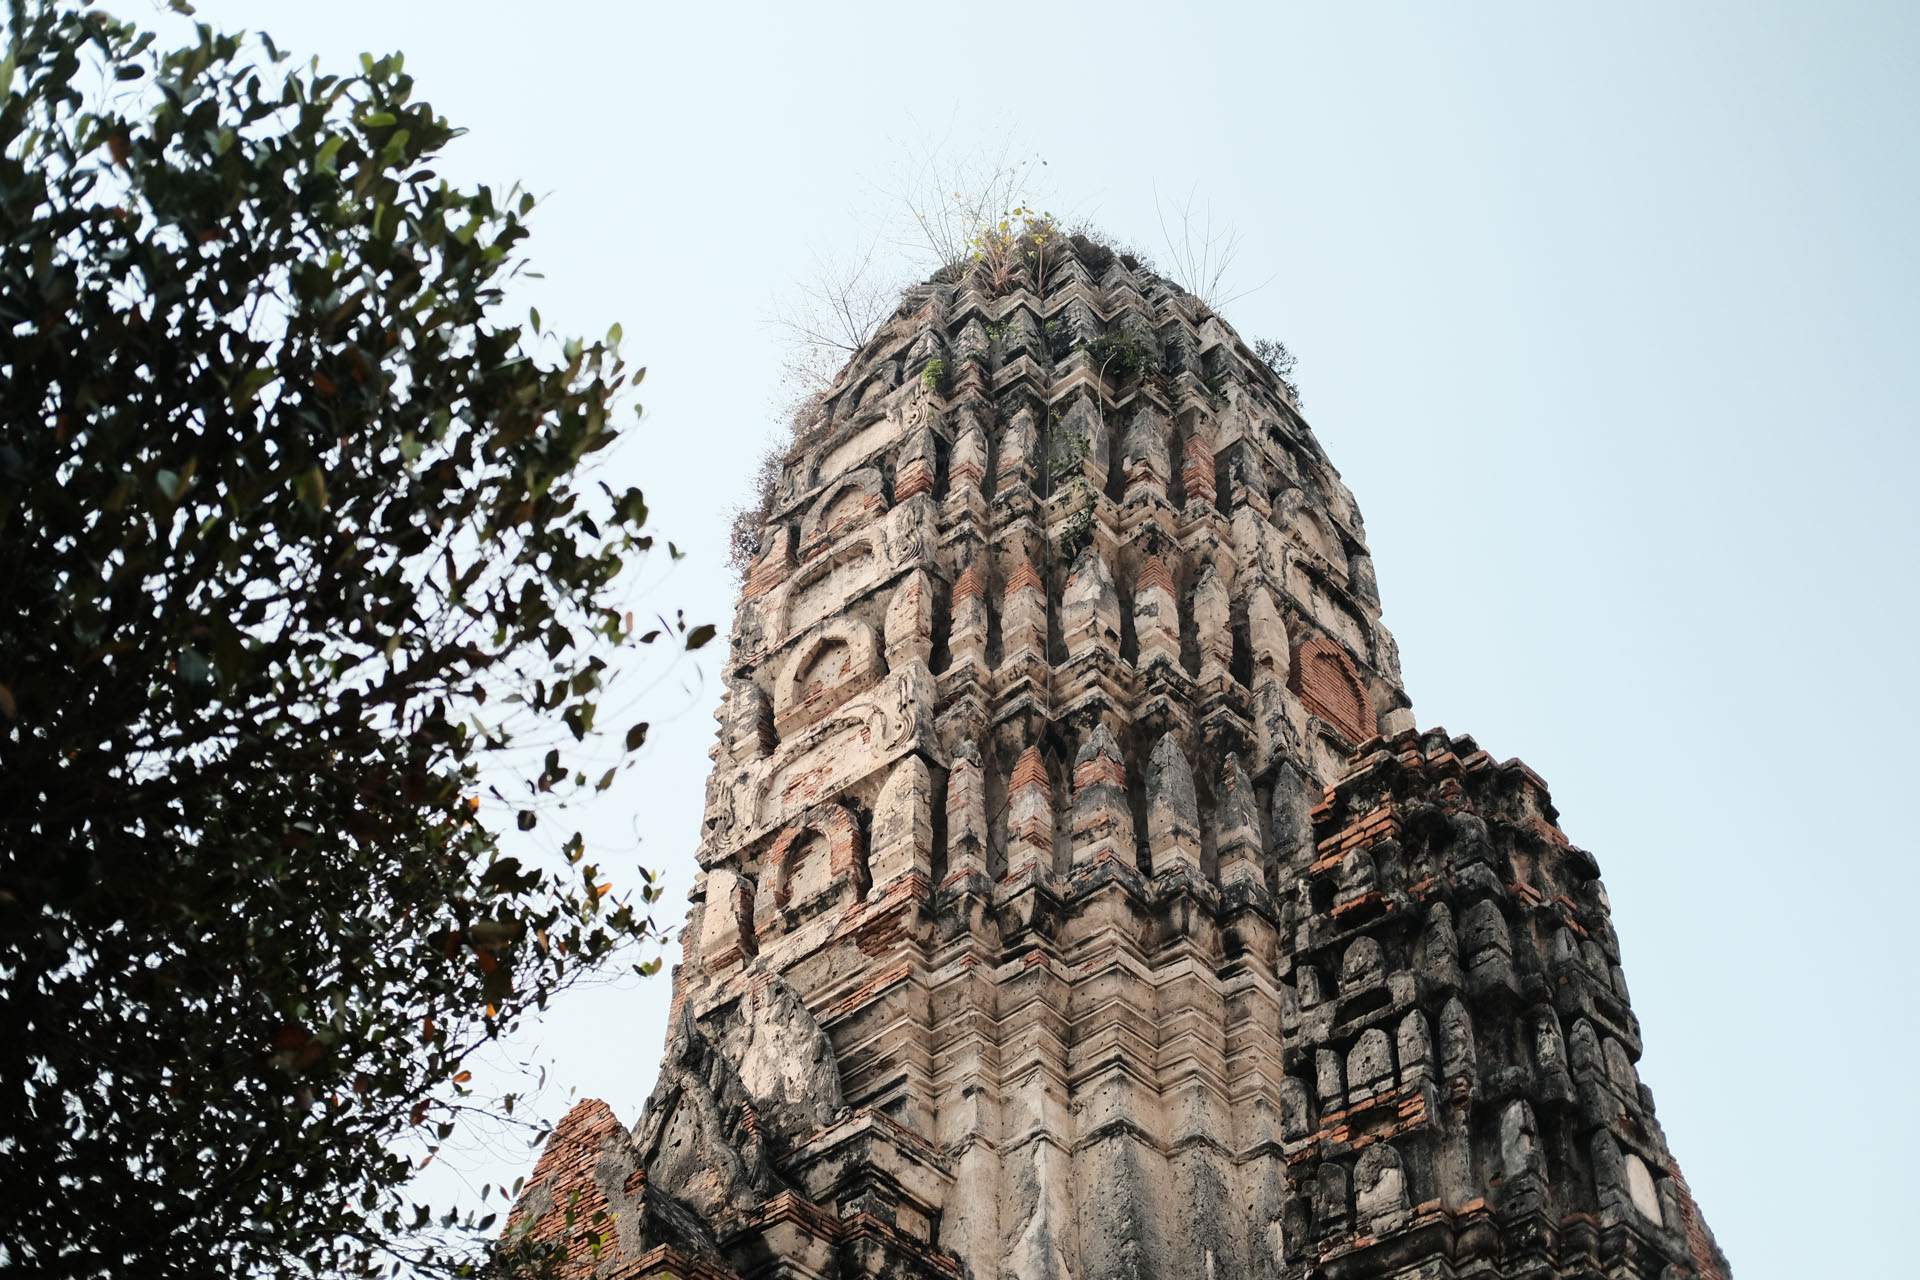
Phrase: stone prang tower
x=1078 y=899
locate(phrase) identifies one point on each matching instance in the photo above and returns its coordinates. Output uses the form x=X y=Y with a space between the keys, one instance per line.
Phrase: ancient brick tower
x=1079 y=899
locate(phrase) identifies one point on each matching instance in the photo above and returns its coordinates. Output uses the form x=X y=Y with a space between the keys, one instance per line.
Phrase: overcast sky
x=1607 y=314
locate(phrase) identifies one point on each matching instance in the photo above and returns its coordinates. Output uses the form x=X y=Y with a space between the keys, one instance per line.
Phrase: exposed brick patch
x=1102 y=769
x=968 y=587
x=1377 y=824
x=1196 y=473
x=1030 y=770
x=966 y=473
x=846 y=514
x=1024 y=578
x=914 y=478
x=1324 y=677
x=568 y=1202
x=1385 y=1115
x=767 y=573
x=840 y=833
x=663 y=1263
x=1029 y=814
x=1154 y=574
x=1699 y=1244
x=898 y=971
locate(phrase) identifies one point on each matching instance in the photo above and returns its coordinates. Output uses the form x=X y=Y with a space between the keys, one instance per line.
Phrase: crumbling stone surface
x=589 y=1196
x=1078 y=899
x=1523 y=1140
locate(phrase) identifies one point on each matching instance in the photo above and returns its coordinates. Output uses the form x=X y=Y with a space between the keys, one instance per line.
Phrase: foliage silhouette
x=301 y=550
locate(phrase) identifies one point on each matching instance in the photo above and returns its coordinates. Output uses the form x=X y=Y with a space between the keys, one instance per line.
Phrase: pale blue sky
x=1607 y=314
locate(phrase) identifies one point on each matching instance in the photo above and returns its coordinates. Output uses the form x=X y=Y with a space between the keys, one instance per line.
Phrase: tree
x=833 y=315
x=1203 y=255
x=965 y=206
x=1274 y=354
x=301 y=553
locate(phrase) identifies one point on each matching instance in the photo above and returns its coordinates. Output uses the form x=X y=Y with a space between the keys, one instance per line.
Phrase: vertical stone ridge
x=1030 y=818
x=1102 y=822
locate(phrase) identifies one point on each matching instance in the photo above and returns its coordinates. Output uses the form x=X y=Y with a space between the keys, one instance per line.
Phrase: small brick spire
x=1030 y=770
x=968 y=587
x=1030 y=818
x=1024 y=578
x=1154 y=574
x=1196 y=470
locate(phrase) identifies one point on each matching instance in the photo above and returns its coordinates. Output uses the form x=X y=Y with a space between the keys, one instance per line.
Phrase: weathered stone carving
x=857 y=500
x=967 y=813
x=1023 y=616
x=1089 y=607
x=1077 y=898
x=1102 y=822
x=1173 y=812
x=1030 y=818
x=1156 y=618
x=834 y=663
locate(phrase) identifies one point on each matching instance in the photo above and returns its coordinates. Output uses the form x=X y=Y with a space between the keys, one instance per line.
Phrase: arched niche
x=823 y=587
x=857 y=499
x=1324 y=678
x=1296 y=516
x=835 y=663
x=817 y=863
